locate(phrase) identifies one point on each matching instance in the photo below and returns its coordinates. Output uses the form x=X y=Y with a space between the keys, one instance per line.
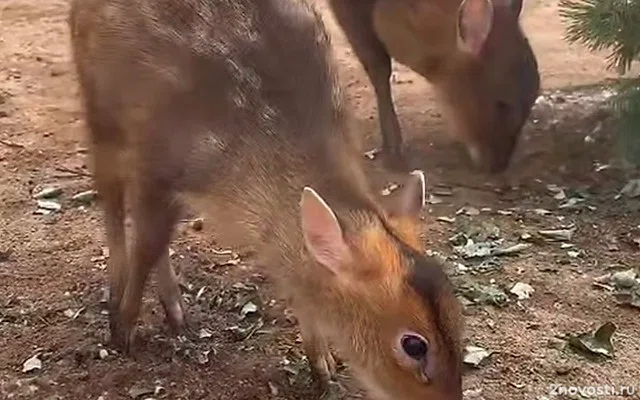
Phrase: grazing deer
x=473 y=52
x=233 y=107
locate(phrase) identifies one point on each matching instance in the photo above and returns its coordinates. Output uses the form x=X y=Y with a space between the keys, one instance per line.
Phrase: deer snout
x=490 y=158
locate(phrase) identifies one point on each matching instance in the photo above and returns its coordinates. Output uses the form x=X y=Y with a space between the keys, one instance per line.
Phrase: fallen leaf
x=474 y=355
x=244 y=287
x=468 y=210
x=203 y=357
x=48 y=193
x=204 y=334
x=598 y=342
x=561 y=195
x=504 y=212
x=431 y=199
x=200 y=293
x=49 y=205
x=248 y=308
x=526 y=236
x=86 y=197
x=272 y=388
x=159 y=391
x=475 y=250
x=472 y=393
x=32 y=364
x=69 y=313
x=630 y=299
x=442 y=191
x=631 y=189
x=371 y=154
x=488 y=265
x=139 y=391
x=554 y=188
x=488 y=248
x=572 y=202
x=516 y=248
x=482 y=294
x=573 y=253
x=522 y=290
x=389 y=189
x=245 y=333
x=461 y=268
x=448 y=220
x=541 y=211
x=558 y=234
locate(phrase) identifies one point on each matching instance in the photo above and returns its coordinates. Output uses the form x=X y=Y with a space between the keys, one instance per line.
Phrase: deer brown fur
x=473 y=52
x=233 y=107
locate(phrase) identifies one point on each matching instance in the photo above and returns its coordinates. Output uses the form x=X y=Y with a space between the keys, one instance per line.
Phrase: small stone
x=624 y=279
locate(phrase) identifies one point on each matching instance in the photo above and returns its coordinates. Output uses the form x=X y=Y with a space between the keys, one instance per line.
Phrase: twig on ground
x=11 y=144
x=474 y=187
x=73 y=172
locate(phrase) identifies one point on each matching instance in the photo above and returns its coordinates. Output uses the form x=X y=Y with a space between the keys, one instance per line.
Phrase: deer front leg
x=355 y=19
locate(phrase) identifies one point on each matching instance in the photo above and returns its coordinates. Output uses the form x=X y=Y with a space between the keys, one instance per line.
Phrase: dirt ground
x=52 y=267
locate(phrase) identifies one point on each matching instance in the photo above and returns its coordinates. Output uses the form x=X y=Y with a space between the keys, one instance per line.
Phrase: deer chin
x=475 y=155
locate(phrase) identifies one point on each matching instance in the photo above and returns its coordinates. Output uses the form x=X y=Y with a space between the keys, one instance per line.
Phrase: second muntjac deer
x=473 y=52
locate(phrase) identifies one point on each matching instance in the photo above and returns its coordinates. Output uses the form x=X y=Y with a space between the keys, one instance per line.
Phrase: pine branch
x=605 y=24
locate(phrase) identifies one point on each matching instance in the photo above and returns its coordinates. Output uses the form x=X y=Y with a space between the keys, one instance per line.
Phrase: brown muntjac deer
x=233 y=107
x=473 y=52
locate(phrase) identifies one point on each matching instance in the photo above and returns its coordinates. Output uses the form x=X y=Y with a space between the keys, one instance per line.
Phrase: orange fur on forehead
x=408 y=231
x=378 y=247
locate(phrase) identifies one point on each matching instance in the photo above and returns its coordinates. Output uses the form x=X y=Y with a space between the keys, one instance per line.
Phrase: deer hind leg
x=111 y=193
x=170 y=294
x=154 y=215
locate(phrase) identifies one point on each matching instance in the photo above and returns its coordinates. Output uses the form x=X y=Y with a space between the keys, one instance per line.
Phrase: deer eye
x=414 y=346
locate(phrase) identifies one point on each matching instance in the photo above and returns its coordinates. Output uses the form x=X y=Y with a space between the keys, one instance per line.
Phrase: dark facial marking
x=429 y=281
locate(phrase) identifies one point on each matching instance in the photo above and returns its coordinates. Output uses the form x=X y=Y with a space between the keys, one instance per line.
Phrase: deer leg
x=111 y=193
x=356 y=22
x=170 y=294
x=154 y=215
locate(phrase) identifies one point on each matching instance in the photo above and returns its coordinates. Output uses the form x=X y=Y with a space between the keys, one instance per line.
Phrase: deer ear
x=475 y=19
x=322 y=233
x=410 y=200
